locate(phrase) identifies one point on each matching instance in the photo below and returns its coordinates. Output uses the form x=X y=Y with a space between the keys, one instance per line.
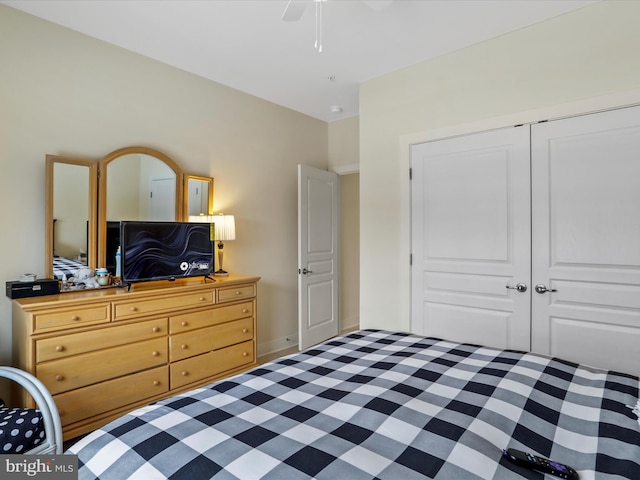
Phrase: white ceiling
x=246 y=45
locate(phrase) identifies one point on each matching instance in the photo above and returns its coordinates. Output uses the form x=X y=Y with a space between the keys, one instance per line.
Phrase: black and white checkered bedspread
x=66 y=266
x=381 y=405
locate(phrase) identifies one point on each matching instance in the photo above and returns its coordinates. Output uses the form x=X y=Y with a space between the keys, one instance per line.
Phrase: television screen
x=165 y=250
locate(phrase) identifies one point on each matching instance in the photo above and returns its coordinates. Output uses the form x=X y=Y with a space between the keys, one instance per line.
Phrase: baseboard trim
x=286 y=345
x=278 y=345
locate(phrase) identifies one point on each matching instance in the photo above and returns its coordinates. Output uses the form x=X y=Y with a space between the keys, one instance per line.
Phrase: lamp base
x=221 y=273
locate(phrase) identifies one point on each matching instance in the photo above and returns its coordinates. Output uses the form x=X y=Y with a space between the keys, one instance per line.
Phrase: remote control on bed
x=541 y=464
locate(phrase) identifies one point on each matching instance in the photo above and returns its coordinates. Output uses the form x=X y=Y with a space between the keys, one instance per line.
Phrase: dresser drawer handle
x=75 y=318
x=156 y=383
x=245 y=354
x=185 y=373
x=59 y=348
x=134 y=309
x=184 y=324
x=59 y=378
x=238 y=292
x=245 y=330
x=202 y=299
x=245 y=310
x=155 y=354
x=184 y=347
x=155 y=329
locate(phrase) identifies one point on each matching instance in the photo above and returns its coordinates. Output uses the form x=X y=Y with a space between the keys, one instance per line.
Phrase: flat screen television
x=165 y=250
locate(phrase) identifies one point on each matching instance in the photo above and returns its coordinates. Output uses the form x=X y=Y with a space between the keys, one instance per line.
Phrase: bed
x=380 y=405
x=66 y=267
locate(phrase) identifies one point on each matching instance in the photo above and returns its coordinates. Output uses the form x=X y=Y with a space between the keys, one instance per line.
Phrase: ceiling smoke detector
x=335 y=109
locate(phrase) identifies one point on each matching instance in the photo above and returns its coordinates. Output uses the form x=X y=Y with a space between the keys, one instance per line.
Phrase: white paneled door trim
x=318 y=255
x=586 y=239
x=471 y=238
x=583 y=286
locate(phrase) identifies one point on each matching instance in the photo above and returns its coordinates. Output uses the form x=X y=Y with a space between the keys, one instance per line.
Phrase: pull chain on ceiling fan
x=295 y=8
x=318 y=44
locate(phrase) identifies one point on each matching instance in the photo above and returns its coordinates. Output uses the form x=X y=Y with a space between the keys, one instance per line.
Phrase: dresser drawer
x=209 y=364
x=213 y=316
x=184 y=345
x=236 y=293
x=89 y=368
x=72 y=317
x=64 y=346
x=136 y=308
x=90 y=401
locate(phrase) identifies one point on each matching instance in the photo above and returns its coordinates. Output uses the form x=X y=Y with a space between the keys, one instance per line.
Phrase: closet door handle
x=521 y=287
x=540 y=288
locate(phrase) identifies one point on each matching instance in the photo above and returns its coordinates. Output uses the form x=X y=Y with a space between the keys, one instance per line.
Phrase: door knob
x=305 y=271
x=521 y=287
x=540 y=288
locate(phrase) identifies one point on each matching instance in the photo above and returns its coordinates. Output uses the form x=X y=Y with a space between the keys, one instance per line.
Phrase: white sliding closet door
x=586 y=239
x=471 y=238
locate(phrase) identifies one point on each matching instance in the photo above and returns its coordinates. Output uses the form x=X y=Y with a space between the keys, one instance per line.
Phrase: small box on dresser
x=104 y=352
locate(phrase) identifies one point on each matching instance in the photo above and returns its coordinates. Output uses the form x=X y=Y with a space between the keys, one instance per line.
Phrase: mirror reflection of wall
x=198 y=197
x=70 y=211
x=140 y=187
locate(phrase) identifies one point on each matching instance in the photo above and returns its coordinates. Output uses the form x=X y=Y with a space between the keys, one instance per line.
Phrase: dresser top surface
x=138 y=289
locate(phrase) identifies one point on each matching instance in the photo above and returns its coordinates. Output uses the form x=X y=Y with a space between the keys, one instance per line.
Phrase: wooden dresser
x=104 y=352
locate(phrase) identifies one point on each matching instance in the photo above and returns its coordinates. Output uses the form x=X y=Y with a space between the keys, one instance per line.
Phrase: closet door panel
x=471 y=238
x=586 y=238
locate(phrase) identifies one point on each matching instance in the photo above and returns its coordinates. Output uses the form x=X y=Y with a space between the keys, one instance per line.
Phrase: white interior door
x=471 y=238
x=162 y=199
x=586 y=239
x=318 y=255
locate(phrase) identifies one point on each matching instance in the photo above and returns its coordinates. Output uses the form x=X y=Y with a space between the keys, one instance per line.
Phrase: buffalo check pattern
x=65 y=267
x=380 y=405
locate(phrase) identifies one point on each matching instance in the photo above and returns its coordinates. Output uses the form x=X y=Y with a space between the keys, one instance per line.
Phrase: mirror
x=82 y=213
x=198 y=198
x=70 y=214
x=136 y=183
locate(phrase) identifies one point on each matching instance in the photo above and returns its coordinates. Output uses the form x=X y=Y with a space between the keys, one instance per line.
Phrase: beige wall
x=64 y=93
x=350 y=248
x=344 y=159
x=344 y=145
x=578 y=62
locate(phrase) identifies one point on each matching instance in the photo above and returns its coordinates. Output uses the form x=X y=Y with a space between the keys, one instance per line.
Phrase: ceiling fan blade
x=294 y=10
x=378 y=5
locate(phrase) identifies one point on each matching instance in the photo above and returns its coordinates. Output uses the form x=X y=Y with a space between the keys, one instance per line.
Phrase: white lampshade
x=201 y=218
x=225 y=226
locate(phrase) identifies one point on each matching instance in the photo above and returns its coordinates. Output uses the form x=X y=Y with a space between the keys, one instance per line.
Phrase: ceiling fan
x=295 y=8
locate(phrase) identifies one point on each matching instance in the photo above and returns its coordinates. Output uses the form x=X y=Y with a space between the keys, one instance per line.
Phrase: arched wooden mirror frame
x=103 y=194
x=91 y=176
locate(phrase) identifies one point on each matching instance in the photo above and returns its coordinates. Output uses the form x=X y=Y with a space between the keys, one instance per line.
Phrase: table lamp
x=225 y=230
